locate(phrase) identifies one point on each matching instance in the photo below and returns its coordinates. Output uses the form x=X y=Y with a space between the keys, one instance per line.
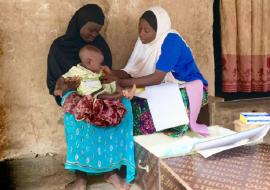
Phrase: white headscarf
x=144 y=57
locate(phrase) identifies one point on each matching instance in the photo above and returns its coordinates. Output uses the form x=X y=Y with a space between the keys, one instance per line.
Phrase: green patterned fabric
x=137 y=111
x=143 y=123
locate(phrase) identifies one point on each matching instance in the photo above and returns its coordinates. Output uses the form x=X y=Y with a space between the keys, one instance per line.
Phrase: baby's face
x=91 y=60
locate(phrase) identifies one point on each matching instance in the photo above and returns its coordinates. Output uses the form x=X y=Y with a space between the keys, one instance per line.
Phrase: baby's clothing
x=83 y=106
x=90 y=83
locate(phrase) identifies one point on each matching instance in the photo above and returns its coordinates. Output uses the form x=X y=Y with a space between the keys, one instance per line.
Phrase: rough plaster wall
x=30 y=122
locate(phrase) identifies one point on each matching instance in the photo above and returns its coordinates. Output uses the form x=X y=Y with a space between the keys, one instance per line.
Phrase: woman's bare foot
x=79 y=183
x=125 y=186
x=116 y=181
x=76 y=185
x=113 y=179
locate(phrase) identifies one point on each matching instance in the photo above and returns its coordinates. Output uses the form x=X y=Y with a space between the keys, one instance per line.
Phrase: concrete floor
x=43 y=173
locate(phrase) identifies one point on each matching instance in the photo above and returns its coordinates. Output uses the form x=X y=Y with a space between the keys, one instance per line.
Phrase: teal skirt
x=96 y=150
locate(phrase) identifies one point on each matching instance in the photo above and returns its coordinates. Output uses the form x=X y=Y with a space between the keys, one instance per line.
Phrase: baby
x=87 y=74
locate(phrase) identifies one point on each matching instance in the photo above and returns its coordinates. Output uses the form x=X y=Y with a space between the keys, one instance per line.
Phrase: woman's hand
x=72 y=83
x=65 y=84
x=59 y=87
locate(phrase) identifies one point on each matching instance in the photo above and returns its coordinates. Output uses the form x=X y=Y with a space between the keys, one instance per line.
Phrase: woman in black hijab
x=83 y=28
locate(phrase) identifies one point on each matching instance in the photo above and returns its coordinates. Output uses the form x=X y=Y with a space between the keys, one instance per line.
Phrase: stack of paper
x=219 y=139
x=164 y=146
x=250 y=136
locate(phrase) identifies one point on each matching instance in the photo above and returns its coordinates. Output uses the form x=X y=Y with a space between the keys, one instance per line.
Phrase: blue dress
x=96 y=150
x=176 y=57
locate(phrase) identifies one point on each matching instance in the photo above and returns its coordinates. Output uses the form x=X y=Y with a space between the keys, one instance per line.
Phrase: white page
x=234 y=138
x=166 y=105
x=211 y=147
x=209 y=152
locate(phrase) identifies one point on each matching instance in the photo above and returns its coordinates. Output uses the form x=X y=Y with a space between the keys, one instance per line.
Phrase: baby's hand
x=109 y=78
x=106 y=70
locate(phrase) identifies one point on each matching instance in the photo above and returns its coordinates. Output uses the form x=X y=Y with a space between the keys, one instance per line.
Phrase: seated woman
x=90 y=149
x=96 y=103
x=161 y=55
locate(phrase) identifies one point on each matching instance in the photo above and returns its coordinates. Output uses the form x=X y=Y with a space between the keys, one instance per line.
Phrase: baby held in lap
x=87 y=74
x=94 y=102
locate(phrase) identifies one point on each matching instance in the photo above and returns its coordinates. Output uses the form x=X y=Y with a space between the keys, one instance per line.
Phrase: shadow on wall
x=3 y=138
x=1 y=49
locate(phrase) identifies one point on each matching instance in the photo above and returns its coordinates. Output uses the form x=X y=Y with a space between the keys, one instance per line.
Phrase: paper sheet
x=212 y=147
x=166 y=105
x=164 y=146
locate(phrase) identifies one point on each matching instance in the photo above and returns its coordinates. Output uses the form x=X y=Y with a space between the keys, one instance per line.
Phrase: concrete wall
x=30 y=121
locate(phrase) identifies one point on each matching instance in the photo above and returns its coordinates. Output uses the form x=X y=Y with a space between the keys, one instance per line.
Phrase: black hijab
x=64 y=51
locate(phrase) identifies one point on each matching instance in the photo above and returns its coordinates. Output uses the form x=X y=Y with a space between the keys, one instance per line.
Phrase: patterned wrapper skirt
x=96 y=150
x=98 y=112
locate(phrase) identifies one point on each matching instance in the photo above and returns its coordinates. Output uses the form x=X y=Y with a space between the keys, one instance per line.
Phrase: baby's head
x=91 y=58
